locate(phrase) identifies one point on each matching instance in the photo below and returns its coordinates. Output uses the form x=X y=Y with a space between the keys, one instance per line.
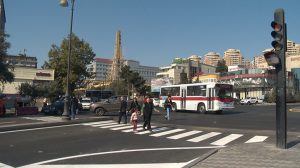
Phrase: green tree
x=81 y=56
x=183 y=78
x=54 y=90
x=6 y=71
x=118 y=87
x=297 y=97
x=221 y=66
x=30 y=90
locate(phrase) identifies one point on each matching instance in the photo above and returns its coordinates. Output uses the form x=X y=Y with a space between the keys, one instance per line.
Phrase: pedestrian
x=73 y=106
x=147 y=110
x=134 y=104
x=168 y=107
x=134 y=119
x=45 y=102
x=80 y=99
x=122 y=110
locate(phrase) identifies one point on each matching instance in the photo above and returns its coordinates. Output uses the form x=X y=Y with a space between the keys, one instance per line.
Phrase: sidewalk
x=252 y=155
x=11 y=122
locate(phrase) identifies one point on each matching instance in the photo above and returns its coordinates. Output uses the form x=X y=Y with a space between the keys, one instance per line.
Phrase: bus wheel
x=174 y=107
x=201 y=108
x=100 y=111
x=218 y=112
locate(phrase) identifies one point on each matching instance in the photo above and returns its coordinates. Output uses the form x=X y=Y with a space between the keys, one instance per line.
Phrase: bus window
x=199 y=90
x=172 y=91
x=223 y=91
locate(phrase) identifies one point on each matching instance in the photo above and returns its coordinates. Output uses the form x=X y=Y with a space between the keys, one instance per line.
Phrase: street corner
x=295 y=110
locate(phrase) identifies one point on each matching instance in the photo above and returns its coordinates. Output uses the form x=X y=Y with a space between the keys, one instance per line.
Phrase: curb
x=39 y=125
x=201 y=158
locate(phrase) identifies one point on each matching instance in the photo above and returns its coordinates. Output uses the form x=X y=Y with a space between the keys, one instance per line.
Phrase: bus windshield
x=223 y=91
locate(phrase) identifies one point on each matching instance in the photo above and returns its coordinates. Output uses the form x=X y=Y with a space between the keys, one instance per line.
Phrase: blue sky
x=154 y=32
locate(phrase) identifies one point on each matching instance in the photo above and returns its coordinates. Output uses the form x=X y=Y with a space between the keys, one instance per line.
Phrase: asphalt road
x=107 y=144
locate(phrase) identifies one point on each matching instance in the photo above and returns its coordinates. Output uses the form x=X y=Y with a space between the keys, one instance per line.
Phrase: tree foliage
x=81 y=56
x=31 y=90
x=221 y=66
x=131 y=78
x=6 y=71
x=118 y=87
x=54 y=90
x=183 y=78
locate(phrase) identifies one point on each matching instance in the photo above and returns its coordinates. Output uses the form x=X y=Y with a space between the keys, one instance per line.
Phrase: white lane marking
x=166 y=132
x=38 y=128
x=7 y=122
x=227 y=139
x=184 y=134
x=203 y=137
x=113 y=152
x=124 y=127
x=257 y=139
x=146 y=165
x=98 y=122
x=154 y=130
x=2 y=165
x=104 y=124
x=113 y=125
x=139 y=129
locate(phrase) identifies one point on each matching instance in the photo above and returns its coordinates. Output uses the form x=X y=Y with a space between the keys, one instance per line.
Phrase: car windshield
x=58 y=103
x=247 y=97
x=156 y=99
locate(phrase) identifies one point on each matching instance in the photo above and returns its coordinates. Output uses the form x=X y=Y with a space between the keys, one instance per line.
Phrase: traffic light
x=279 y=43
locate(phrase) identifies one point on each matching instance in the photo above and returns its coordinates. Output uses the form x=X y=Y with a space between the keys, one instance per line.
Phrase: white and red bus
x=200 y=97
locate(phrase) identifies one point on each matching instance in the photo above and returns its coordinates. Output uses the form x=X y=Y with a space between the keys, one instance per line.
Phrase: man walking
x=122 y=110
x=73 y=106
x=147 y=110
x=168 y=105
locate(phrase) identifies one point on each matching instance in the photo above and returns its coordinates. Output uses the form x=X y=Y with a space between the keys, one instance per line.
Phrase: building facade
x=40 y=77
x=212 y=58
x=101 y=67
x=233 y=57
x=188 y=66
x=21 y=61
x=246 y=62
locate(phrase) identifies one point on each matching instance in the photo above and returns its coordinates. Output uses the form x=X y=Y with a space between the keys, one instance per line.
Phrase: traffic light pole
x=281 y=131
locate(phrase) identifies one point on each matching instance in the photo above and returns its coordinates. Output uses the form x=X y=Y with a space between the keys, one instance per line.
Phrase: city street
x=187 y=136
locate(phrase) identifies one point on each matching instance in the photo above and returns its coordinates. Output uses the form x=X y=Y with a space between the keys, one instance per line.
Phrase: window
x=172 y=91
x=199 y=90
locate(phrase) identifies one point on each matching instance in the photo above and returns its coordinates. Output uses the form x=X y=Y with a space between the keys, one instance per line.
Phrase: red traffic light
x=276 y=26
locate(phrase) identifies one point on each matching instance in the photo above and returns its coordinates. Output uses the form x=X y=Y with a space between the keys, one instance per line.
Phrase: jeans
x=73 y=111
x=168 y=113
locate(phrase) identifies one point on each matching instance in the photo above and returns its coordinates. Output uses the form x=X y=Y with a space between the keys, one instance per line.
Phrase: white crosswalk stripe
x=178 y=133
x=124 y=127
x=227 y=139
x=166 y=132
x=204 y=137
x=47 y=119
x=182 y=135
x=257 y=139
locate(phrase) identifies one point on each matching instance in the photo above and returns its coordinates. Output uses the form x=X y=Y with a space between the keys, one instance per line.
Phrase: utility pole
x=277 y=59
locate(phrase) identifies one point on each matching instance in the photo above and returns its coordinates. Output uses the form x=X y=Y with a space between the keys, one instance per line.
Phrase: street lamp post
x=66 y=114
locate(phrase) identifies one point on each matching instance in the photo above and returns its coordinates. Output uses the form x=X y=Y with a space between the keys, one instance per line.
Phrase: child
x=134 y=119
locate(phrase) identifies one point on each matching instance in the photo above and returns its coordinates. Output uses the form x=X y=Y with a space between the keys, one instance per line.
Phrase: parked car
x=260 y=101
x=112 y=104
x=156 y=101
x=86 y=103
x=237 y=101
x=249 y=100
x=57 y=108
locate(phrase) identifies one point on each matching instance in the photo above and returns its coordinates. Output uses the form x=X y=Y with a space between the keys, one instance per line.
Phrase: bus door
x=211 y=97
x=183 y=98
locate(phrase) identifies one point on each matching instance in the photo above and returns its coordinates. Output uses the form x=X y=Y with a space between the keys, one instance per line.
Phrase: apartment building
x=212 y=58
x=246 y=62
x=292 y=48
x=21 y=61
x=233 y=57
x=101 y=68
x=195 y=58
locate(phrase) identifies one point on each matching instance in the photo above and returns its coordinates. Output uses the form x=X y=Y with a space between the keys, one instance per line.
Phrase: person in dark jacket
x=122 y=110
x=147 y=110
x=73 y=105
x=168 y=106
x=134 y=104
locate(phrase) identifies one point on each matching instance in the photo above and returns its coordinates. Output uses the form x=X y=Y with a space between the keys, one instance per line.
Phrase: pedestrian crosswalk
x=43 y=118
x=194 y=136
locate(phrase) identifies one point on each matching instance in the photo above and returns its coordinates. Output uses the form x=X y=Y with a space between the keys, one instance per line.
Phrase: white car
x=155 y=101
x=260 y=101
x=249 y=101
